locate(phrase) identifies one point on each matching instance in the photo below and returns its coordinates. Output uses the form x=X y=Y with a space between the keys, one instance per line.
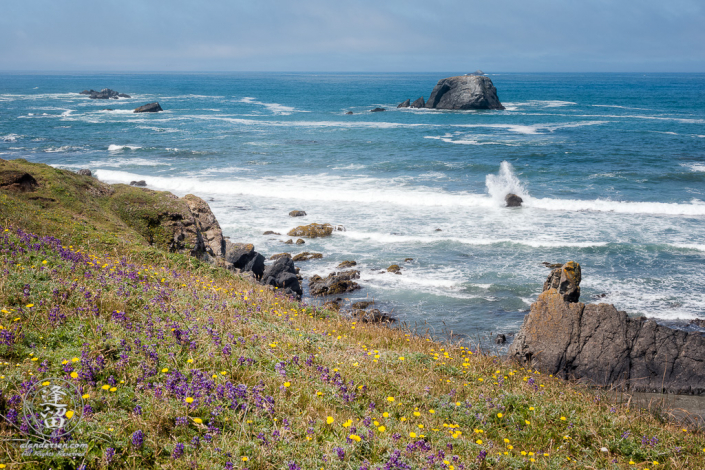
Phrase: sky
x=353 y=35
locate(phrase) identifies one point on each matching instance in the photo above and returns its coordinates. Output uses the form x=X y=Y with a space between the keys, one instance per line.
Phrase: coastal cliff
x=600 y=345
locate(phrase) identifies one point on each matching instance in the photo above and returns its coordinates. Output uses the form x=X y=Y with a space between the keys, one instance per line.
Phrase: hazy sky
x=353 y=35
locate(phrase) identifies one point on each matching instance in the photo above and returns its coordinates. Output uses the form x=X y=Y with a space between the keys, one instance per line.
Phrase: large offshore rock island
x=461 y=92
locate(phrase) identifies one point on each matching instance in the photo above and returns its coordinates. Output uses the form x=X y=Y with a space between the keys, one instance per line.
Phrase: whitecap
x=10 y=138
x=117 y=148
x=276 y=108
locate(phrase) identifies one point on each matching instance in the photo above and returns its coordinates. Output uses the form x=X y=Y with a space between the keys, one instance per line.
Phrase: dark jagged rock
x=149 y=108
x=334 y=283
x=305 y=256
x=282 y=274
x=512 y=200
x=438 y=230
x=243 y=256
x=269 y=232
x=347 y=264
x=349 y=112
x=140 y=183
x=85 y=172
x=373 y=316
x=289 y=242
x=552 y=265
x=297 y=213
x=566 y=281
x=404 y=104
x=300 y=241
x=464 y=92
x=700 y=323
x=207 y=225
x=500 y=339
x=311 y=231
x=104 y=94
x=17 y=181
x=408 y=260
x=377 y=110
x=418 y=103
x=598 y=344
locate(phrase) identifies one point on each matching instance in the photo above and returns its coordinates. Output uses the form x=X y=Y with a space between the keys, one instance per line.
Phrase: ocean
x=611 y=168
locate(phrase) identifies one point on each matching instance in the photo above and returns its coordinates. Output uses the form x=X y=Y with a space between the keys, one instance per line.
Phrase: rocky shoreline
x=600 y=345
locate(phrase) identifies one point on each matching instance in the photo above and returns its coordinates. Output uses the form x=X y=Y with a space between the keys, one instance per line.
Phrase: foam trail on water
x=117 y=148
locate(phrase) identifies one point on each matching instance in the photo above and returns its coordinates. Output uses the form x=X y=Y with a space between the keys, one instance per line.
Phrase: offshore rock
x=311 y=231
x=297 y=213
x=305 y=256
x=85 y=172
x=140 y=183
x=373 y=316
x=600 y=345
x=149 y=108
x=464 y=92
x=347 y=264
x=512 y=200
x=377 y=110
x=282 y=274
x=300 y=241
x=404 y=104
x=566 y=281
x=334 y=283
x=104 y=94
x=395 y=268
x=418 y=103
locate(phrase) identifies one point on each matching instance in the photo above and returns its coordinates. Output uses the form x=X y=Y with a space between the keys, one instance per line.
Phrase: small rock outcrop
x=85 y=172
x=243 y=256
x=395 y=268
x=334 y=283
x=104 y=94
x=377 y=110
x=311 y=231
x=372 y=316
x=149 y=108
x=418 y=103
x=269 y=232
x=347 y=264
x=512 y=200
x=282 y=274
x=305 y=256
x=566 y=281
x=300 y=241
x=297 y=213
x=464 y=92
x=349 y=112
x=598 y=344
x=333 y=305
x=140 y=183
x=362 y=305
x=280 y=255
x=404 y=104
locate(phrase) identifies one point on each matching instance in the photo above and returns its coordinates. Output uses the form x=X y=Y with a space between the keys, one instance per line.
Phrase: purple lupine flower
x=109 y=454
x=340 y=452
x=178 y=451
x=138 y=438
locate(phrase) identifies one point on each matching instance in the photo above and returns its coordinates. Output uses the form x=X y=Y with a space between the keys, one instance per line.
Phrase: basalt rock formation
x=600 y=345
x=464 y=92
x=418 y=103
x=334 y=283
x=149 y=108
x=104 y=94
x=512 y=200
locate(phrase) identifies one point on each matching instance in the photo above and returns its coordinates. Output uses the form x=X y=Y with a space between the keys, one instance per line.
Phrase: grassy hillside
x=183 y=365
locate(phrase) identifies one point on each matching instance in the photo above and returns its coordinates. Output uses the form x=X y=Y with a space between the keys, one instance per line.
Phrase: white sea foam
x=539 y=103
x=697 y=167
x=63 y=148
x=352 y=166
x=118 y=148
x=276 y=108
x=689 y=246
x=10 y=138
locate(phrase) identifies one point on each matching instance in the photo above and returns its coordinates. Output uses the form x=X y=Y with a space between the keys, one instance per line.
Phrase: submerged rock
x=334 y=283
x=349 y=112
x=512 y=200
x=311 y=231
x=149 y=108
x=377 y=110
x=269 y=232
x=603 y=346
x=464 y=92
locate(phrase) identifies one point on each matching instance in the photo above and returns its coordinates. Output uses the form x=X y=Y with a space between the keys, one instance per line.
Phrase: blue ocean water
x=611 y=168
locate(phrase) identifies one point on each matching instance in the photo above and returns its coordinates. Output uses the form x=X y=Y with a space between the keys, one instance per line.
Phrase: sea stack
x=464 y=92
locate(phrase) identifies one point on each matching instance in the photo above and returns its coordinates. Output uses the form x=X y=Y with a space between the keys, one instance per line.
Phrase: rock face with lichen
x=311 y=231
x=334 y=283
x=600 y=345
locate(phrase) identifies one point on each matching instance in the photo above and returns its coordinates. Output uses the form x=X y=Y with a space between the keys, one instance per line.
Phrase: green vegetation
x=183 y=365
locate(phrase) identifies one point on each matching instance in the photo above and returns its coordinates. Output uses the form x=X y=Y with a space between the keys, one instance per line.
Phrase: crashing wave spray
x=506 y=182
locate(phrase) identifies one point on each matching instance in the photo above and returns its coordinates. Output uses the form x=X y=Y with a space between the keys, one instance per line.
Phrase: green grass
x=159 y=328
